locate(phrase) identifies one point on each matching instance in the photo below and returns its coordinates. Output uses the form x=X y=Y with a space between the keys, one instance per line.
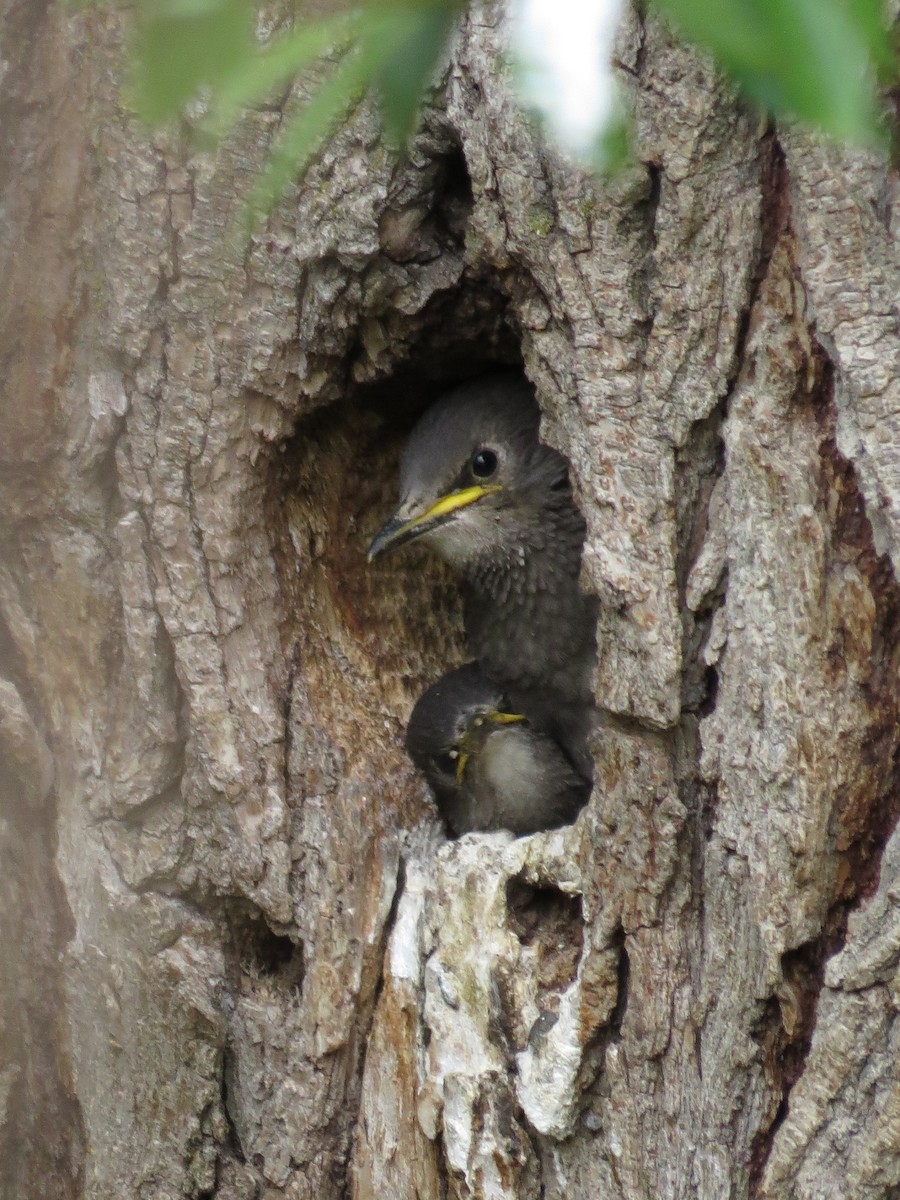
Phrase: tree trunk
x=241 y=960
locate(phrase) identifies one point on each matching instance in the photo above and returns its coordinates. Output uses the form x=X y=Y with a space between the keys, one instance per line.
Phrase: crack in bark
x=860 y=830
x=775 y=216
x=590 y=1082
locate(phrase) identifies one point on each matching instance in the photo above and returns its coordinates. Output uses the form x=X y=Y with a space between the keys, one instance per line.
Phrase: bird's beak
x=472 y=742
x=402 y=528
x=500 y=718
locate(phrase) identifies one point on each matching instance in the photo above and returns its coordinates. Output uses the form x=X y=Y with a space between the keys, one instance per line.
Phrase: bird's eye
x=484 y=463
x=446 y=763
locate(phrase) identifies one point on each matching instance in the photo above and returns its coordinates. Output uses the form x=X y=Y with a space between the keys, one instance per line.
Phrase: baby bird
x=479 y=487
x=489 y=767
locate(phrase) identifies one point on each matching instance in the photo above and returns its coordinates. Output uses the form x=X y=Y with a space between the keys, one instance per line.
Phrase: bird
x=479 y=487
x=489 y=767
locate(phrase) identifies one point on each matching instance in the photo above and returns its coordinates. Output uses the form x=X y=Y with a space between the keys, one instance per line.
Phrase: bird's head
x=452 y=723
x=474 y=473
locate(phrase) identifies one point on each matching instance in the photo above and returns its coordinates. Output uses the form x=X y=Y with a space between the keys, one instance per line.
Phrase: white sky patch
x=564 y=49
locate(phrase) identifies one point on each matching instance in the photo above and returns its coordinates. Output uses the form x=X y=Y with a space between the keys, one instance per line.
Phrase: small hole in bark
x=711 y=688
x=455 y=198
x=274 y=954
x=264 y=954
x=536 y=908
x=550 y=921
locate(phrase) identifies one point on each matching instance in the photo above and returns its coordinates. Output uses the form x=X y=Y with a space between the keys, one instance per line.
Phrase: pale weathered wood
x=243 y=962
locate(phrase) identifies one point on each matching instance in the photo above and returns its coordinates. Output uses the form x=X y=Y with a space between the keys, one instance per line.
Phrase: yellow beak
x=400 y=529
x=461 y=766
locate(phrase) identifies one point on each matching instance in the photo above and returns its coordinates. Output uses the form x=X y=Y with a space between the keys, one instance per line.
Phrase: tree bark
x=241 y=960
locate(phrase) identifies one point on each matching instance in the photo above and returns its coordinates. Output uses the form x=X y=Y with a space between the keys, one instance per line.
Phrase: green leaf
x=870 y=17
x=273 y=66
x=305 y=131
x=180 y=45
x=410 y=42
x=814 y=60
x=613 y=151
x=397 y=45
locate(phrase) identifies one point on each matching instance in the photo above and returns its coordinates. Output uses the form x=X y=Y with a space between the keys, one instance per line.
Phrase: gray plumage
x=488 y=766
x=514 y=532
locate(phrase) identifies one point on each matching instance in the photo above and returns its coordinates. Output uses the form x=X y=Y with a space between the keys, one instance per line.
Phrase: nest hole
x=361 y=642
x=368 y=639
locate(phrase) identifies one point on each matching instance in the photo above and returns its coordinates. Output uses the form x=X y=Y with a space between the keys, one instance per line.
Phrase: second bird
x=488 y=766
x=480 y=488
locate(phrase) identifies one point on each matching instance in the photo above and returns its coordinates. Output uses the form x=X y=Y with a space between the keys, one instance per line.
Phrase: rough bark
x=240 y=959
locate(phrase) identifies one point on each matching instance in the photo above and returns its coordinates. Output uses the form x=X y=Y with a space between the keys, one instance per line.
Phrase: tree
x=240 y=963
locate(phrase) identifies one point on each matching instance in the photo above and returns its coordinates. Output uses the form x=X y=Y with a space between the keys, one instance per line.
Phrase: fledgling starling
x=480 y=488
x=488 y=766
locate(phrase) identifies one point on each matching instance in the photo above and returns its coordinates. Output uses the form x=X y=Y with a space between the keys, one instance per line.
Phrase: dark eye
x=484 y=463
x=446 y=763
